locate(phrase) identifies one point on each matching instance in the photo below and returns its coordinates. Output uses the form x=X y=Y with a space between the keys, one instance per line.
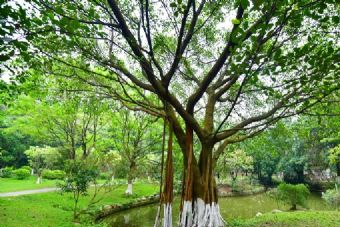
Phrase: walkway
x=28 y=192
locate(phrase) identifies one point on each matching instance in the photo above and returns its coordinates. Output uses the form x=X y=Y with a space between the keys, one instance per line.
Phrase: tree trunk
x=293 y=207
x=199 y=202
x=129 y=187
x=39 y=179
x=130 y=178
x=203 y=209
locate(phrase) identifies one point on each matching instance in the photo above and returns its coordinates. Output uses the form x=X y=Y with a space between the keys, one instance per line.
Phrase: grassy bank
x=11 y=184
x=55 y=210
x=293 y=219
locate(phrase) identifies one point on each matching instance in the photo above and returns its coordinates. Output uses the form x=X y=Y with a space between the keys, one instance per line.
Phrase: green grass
x=293 y=219
x=11 y=184
x=55 y=210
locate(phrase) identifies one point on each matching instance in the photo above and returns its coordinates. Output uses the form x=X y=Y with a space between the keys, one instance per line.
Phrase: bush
x=332 y=197
x=105 y=176
x=27 y=167
x=7 y=172
x=293 y=194
x=53 y=174
x=21 y=174
x=79 y=177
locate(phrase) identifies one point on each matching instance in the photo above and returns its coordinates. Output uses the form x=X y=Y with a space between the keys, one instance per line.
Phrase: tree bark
x=202 y=209
x=131 y=176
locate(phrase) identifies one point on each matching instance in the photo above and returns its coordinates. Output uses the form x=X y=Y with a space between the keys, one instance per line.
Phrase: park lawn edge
x=292 y=219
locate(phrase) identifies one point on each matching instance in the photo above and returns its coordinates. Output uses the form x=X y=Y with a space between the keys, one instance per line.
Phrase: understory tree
x=136 y=138
x=219 y=71
x=41 y=158
x=267 y=150
x=61 y=118
x=238 y=161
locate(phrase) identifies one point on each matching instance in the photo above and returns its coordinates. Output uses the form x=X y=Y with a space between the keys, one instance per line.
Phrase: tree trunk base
x=129 y=189
x=39 y=180
x=201 y=215
x=167 y=221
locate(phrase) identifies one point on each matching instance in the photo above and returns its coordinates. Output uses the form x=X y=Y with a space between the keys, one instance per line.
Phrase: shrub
x=7 y=172
x=332 y=197
x=79 y=177
x=53 y=174
x=293 y=194
x=27 y=167
x=105 y=176
x=21 y=174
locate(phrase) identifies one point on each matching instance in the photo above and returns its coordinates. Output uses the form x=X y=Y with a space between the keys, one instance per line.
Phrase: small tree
x=238 y=161
x=78 y=180
x=293 y=194
x=135 y=137
x=41 y=158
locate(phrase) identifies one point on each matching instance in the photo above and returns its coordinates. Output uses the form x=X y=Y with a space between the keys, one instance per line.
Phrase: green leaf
x=244 y=4
x=235 y=21
x=173 y=4
x=336 y=19
x=257 y=3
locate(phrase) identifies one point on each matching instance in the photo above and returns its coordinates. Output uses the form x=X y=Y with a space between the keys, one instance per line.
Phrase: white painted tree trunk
x=112 y=178
x=39 y=180
x=129 y=189
x=201 y=215
x=32 y=172
x=167 y=221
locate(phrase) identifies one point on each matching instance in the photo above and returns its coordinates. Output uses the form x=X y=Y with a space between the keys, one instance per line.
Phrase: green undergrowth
x=55 y=209
x=292 y=219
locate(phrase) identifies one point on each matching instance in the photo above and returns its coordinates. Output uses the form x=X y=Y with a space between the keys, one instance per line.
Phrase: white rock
x=277 y=211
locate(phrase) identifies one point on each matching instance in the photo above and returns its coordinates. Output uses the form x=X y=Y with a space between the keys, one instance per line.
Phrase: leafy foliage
x=332 y=197
x=79 y=176
x=53 y=174
x=21 y=174
x=238 y=161
x=42 y=157
x=7 y=172
x=293 y=194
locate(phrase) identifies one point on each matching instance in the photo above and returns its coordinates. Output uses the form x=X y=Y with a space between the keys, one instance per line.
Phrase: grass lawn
x=55 y=210
x=293 y=219
x=11 y=184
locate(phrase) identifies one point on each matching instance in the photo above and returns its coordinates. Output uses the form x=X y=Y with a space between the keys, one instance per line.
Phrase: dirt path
x=28 y=192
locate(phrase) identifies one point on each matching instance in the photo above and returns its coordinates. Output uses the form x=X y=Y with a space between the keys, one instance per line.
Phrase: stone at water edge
x=277 y=211
x=258 y=214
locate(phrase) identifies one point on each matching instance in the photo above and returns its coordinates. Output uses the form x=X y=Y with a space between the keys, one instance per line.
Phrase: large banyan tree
x=220 y=71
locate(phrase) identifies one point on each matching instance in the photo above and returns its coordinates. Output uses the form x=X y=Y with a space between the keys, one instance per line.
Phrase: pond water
x=231 y=208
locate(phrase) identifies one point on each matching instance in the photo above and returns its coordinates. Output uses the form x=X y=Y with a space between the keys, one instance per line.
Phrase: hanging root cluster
x=195 y=212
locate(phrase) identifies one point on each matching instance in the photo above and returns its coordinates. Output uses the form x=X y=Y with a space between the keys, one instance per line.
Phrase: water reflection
x=231 y=207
